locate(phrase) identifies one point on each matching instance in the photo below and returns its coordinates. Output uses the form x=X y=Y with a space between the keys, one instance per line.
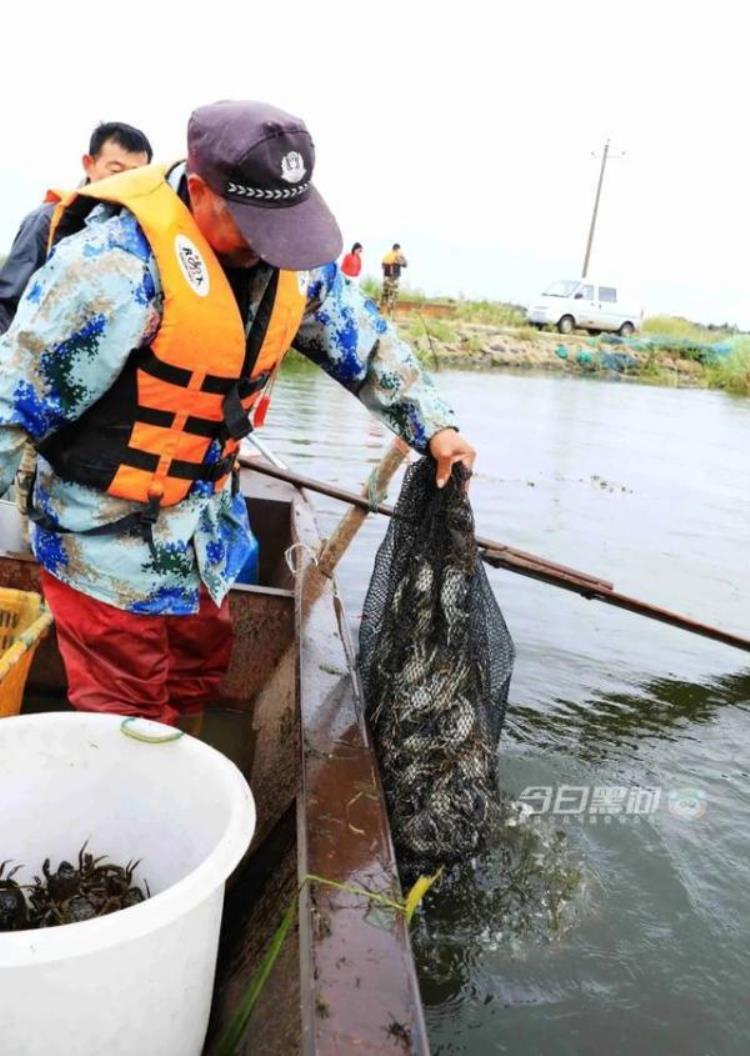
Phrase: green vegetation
x=412 y=293
x=295 y=363
x=675 y=336
x=463 y=335
x=491 y=313
x=428 y=337
x=371 y=287
x=653 y=372
x=733 y=371
x=438 y=329
x=473 y=344
x=526 y=332
x=679 y=329
x=488 y=313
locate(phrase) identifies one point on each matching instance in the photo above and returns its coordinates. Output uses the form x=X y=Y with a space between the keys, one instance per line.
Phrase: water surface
x=650 y=488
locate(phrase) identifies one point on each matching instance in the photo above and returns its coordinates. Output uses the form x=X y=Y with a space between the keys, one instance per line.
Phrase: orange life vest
x=392 y=263
x=147 y=438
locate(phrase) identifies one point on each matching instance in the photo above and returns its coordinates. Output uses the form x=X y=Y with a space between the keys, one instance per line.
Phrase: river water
x=629 y=740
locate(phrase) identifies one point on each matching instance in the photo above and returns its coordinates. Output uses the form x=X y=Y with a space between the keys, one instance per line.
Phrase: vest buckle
x=237 y=422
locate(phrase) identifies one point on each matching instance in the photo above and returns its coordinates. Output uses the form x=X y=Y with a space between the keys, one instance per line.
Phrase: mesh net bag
x=436 y=660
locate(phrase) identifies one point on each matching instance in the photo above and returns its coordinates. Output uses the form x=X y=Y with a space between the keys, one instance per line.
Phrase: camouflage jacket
x=97 y=298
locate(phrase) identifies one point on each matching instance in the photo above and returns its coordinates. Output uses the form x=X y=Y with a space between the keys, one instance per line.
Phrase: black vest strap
x=141 y=521
x=260 y=325
x=90 y=450
x=237 y=422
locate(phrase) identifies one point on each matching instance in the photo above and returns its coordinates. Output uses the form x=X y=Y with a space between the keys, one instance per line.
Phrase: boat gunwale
x=346 y=951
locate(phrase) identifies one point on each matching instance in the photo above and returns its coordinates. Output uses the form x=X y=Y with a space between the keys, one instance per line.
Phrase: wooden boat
x=290 y=715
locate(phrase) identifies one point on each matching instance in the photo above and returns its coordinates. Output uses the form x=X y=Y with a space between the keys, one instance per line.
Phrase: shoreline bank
x=477 y=346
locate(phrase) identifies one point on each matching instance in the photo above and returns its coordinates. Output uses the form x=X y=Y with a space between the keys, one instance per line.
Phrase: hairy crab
x=13 y=911
x=70 y=895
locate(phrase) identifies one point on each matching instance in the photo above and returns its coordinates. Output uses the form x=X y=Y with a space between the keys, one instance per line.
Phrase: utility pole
x=596 y=210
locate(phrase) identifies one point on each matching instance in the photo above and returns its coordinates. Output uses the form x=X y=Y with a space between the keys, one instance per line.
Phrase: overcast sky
x=464 y=131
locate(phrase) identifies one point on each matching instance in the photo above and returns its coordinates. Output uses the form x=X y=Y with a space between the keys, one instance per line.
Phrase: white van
x=583 y=304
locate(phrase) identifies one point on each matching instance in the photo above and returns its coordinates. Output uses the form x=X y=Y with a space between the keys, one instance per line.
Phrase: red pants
x=157 y=667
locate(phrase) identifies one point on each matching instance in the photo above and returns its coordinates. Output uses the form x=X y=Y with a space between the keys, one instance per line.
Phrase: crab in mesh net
x=435 y=660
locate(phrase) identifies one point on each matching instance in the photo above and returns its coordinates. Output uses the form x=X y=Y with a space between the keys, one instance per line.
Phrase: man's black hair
x=396 y=245
x=356 y=246
x=125 y=136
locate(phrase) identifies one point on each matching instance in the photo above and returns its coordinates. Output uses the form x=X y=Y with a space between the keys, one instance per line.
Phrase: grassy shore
x=485 y=334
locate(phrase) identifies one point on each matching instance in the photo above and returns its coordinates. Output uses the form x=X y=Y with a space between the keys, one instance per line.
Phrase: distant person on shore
x=351 y=265
x=392 y=264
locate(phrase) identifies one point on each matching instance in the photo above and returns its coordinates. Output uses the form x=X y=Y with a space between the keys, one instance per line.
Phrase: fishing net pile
x=436 y=660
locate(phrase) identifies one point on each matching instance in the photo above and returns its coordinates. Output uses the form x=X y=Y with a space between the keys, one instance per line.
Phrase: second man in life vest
x=139 y=357
x=114 y=147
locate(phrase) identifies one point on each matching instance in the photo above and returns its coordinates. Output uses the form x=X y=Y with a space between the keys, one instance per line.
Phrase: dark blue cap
x=261 y=160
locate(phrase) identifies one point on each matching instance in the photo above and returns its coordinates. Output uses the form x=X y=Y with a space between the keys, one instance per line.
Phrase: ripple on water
x=654 y=956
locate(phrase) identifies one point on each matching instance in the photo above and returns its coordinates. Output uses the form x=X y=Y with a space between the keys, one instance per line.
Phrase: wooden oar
x=501 y=556
x=374 y=490
x=363 y=503
x=619 y=601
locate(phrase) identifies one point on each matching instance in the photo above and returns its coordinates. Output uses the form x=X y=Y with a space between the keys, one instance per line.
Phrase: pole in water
x=525 y=564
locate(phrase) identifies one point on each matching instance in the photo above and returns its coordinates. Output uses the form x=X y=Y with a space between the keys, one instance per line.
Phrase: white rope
x=289 y=557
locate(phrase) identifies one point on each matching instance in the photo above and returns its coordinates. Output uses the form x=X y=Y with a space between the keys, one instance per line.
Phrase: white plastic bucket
x=137 y=982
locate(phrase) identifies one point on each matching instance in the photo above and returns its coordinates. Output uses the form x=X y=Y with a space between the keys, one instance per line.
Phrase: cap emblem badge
x=292 y=167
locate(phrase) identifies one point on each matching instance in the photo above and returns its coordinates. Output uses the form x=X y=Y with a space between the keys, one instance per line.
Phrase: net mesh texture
x=436 y=660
